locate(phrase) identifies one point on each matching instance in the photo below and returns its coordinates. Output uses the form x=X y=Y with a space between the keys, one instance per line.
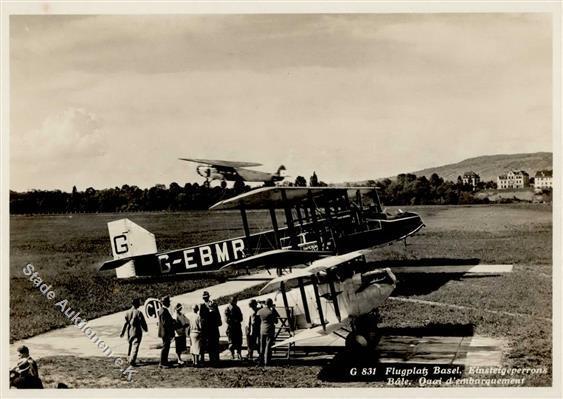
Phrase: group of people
x=201 y=326
x=260 y=330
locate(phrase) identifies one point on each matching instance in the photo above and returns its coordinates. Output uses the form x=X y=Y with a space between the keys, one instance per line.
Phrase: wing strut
x=334 y=296
x=354 y=211
x=286 y=305
x=306 y=212
x=299 y=217
x=314 y=219
x=290 y=224
x=275 y=227
x=246 y=228
x=360 y=206
x=304 y=299
x=318 y=299
x=331 y=228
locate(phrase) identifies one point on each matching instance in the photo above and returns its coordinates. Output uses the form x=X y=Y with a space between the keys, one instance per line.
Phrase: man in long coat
x=135 y=324
x=210 y=323
x=166 y=330
x=233 y=317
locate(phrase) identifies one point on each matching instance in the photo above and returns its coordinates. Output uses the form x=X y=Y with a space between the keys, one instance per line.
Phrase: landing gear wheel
x=365 y=332
x=356 y=342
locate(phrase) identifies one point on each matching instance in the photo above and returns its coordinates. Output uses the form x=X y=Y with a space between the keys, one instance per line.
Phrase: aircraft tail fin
x=281 y=171
x=128 y=241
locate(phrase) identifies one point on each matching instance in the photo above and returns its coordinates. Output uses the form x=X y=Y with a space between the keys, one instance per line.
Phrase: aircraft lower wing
x=464 y=269
x=340 y=329
x=277 y=258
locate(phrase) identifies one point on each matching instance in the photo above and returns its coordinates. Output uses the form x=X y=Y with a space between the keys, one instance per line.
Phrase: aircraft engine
x=209 y=172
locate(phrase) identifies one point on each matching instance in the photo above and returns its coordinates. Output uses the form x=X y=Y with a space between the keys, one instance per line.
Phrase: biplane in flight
x=214 y=169
x=317 y=222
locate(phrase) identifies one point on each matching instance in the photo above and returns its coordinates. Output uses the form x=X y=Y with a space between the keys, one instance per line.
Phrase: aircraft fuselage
x=217 y=173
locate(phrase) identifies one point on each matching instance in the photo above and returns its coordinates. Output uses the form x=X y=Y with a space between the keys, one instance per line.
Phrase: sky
x=102 y=101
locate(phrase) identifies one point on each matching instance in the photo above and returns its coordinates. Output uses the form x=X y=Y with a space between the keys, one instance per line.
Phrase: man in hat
x=233 y=317
x=134 y=324
x=210 y=323
x=166 y=330
x=26 y=374
x=268 y=319
x=253 y=329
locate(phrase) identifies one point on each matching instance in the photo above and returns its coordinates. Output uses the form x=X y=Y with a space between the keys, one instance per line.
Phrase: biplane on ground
x=334 y=301
x=318 y=222
x=215 y=169
x=332 y=291
x=339 y=296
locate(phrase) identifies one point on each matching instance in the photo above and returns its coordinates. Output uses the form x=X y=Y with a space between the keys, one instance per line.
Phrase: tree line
x=123 y=199
x=407 y=189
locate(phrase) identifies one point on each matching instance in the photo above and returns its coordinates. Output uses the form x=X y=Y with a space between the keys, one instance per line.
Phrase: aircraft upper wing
x=453 y=269
x=278 y=258
x=334 y=261
x=218 y=162
x=273 y=197
x=291 y=280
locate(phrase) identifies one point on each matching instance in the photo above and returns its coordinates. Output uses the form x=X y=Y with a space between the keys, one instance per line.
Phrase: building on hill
x=471 y=178
x=513 y=179
x=543 y=180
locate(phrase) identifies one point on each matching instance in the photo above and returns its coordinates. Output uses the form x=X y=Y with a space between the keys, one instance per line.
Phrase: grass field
x=67 y=251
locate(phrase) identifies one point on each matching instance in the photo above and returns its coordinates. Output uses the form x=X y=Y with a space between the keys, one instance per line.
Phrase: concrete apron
x=71 y=341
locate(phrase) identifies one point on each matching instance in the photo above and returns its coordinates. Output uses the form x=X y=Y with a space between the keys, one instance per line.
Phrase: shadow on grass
x=214 y=278
x=425 y=262
x=423 y=283
x=412 y=284
x=432 y=329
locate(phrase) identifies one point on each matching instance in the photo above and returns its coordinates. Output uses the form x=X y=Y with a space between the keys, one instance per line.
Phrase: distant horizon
x=291 y=178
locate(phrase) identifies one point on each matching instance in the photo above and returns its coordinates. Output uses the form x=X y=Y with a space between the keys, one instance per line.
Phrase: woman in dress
x=180 y=331
x=194 y=331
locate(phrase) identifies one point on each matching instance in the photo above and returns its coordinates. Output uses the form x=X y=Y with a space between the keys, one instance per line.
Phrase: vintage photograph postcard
x=359 y=198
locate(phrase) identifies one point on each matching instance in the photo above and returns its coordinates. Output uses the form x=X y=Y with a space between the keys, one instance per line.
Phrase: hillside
x=490 y=166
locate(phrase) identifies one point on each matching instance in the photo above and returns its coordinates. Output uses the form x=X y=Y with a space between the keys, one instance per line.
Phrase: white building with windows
x=513 y=179
x=543 y=180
